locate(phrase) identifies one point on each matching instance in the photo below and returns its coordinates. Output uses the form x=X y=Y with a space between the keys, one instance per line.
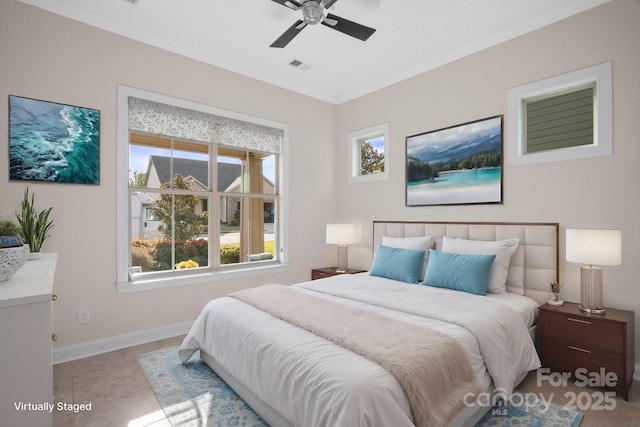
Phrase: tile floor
x=115 y=385
x=121 y=397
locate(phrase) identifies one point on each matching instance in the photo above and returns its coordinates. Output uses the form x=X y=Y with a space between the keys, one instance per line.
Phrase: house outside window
x=561 y=118
x=203 y=189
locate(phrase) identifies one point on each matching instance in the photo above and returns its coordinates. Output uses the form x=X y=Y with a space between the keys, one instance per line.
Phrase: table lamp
x=589 y=247
x=343 y=235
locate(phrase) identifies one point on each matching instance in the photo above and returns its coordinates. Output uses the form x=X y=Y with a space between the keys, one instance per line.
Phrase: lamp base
x=343 y=259
x=591 y=290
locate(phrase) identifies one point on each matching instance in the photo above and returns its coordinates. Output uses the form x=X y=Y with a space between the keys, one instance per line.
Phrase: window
x=199 y=193
x=150 y=214
x=561 y=118
x=368 y=153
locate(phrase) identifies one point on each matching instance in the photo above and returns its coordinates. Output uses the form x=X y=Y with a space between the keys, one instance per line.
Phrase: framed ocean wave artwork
x=53 y=142
x=457 y=165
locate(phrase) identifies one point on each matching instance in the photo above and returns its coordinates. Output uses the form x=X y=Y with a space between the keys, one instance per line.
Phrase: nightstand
x=321 y=273
x=570 y=339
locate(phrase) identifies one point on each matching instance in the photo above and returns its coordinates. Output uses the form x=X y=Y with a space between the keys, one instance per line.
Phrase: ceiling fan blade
x=350 y=28
x=288 y=35
x=328 y=3
x=330 y=22
x=291 y=4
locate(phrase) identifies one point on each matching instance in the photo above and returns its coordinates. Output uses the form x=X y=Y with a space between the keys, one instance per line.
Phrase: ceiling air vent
x=133 y=1
x=296 y=63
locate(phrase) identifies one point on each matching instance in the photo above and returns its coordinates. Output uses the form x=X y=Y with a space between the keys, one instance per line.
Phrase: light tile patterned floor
x=121 y=397
x=116 y=387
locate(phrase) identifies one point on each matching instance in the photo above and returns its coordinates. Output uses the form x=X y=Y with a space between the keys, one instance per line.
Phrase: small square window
x=368 y=154
x=561 y=118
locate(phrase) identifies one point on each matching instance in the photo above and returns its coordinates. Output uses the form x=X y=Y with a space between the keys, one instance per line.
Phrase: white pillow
x=503 y=249
x=420 y=243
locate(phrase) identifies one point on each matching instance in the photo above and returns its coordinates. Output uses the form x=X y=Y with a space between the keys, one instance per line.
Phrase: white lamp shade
x=594 y=247
x=344 y=234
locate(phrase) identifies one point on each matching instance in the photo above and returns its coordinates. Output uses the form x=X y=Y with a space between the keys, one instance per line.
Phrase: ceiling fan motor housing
x=312 y=12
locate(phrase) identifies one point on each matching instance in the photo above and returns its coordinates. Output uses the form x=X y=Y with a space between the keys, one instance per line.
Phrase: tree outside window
x=178 y=210
x=372 y=156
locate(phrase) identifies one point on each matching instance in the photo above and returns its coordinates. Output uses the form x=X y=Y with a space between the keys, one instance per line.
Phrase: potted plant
x=34 y=225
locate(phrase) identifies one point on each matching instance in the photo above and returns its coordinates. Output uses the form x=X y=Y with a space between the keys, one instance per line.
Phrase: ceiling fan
x=313 y=12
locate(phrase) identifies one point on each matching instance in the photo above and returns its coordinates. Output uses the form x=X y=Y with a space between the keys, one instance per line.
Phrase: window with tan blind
x=561 y=118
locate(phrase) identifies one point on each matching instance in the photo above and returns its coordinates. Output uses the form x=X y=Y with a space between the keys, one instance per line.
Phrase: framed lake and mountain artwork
x=53 y=142
x=456 y=165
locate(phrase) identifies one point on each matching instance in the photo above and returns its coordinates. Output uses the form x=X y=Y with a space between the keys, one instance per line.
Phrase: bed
x=294 y=377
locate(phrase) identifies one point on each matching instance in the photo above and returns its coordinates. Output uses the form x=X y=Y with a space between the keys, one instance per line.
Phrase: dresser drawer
x=565 y=357
x=583 y=332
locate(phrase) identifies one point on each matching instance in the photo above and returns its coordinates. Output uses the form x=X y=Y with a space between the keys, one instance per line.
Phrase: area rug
x=529 y=411
x=192 y=395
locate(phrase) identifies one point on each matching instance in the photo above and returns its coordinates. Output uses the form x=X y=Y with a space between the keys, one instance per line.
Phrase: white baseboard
x=92 y=348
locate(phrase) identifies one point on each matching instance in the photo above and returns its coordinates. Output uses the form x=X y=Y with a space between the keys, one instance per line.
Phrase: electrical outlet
x=83 y=315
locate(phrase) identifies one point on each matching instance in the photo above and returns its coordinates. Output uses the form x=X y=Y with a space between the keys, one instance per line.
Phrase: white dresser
x=26 y=385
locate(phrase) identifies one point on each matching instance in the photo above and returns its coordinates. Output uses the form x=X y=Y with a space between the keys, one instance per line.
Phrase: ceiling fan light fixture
x=312 y=12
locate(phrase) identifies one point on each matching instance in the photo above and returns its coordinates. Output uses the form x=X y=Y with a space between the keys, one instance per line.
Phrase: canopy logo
x=594 y=400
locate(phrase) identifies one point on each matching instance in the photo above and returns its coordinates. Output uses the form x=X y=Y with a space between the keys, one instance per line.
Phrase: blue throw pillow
x=468 y=273
x=398 y=264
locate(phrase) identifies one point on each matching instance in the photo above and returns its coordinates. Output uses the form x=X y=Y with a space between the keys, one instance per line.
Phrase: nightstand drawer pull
x=586 y=322
x=579 y=349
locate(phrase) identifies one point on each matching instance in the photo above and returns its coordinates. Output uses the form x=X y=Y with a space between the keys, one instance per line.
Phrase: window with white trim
x=199 y=192
x=368 y=153
x=561 y=118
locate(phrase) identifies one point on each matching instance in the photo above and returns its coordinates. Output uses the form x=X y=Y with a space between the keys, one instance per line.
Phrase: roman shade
x=154 y=118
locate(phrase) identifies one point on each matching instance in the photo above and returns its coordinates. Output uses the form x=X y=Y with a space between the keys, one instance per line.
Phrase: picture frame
x=456 y=165
x=53 y=142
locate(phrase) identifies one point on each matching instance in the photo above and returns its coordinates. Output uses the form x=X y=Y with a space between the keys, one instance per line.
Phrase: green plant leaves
x=34 y=225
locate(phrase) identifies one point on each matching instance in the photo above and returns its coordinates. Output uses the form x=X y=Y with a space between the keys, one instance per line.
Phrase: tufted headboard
x=535 y=262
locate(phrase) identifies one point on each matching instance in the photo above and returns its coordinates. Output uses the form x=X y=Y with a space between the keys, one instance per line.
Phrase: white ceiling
x=412 y=36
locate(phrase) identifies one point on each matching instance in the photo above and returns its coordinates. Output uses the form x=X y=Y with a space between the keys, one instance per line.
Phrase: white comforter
x=312 y=382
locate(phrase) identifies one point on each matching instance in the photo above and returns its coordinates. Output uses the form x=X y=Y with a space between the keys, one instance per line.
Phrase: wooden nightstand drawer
x=578 y=343
x=565 y=357
x=321 y=273
x=585 y=332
